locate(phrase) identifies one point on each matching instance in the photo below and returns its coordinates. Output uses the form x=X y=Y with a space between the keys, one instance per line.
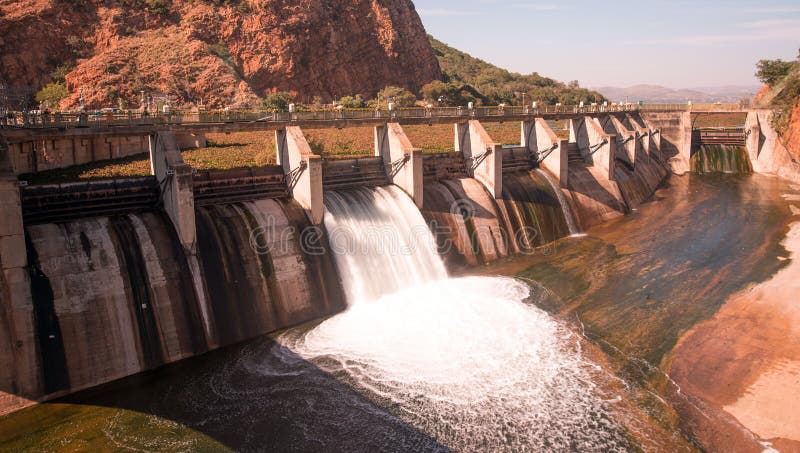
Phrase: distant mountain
x=660 y=94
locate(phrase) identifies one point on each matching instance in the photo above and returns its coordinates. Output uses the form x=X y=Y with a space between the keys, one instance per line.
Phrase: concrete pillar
x=175 y=179
x=484 y=157
x=188 y=140
x=293 y=152
x=602 y=147
x=629 y=145
x=19 y=377
x=537 y=137
x=393 y=145
x=645 y=135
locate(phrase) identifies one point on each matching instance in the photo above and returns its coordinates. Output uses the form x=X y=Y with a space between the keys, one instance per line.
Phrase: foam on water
x=469 y=362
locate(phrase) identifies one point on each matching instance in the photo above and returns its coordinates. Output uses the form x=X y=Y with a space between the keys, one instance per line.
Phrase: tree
x=450 y=93
x=400 y=97
x=277 y=101
x=772 y=72
x=53 y=93
x=352 y=102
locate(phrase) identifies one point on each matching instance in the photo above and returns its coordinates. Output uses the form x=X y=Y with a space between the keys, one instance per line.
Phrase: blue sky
x=679 y=44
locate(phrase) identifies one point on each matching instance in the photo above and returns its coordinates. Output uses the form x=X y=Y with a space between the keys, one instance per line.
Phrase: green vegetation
x=400 y=97
x=783 y=78
x=773 y=71
x=277 y=101
x=52 y=94
x=467 y=77
x=56 y=90
x=352 y=102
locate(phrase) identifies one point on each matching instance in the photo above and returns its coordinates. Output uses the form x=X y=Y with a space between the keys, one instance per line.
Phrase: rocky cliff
x=220 y=52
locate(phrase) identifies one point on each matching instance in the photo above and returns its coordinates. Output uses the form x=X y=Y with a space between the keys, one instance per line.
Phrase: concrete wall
x=19 y=377
x=674 y=138
x=628 y=143
x=175 y=179
x=646 y=136
x=601 y=156
x=472 y=140
x=767 y=153
x=41 y=155
x=537 y=136
x=292 y=152
x=393 y=145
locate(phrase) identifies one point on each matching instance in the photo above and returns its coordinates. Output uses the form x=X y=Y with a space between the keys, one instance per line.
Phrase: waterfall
x=562 y=200
x=381 y=242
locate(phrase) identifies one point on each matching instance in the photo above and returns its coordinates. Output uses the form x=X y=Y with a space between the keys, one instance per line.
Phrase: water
x=562 y=200
x=381 y=242
x=469 y=362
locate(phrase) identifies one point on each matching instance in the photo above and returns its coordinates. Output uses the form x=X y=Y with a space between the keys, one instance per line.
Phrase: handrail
x=180 y=117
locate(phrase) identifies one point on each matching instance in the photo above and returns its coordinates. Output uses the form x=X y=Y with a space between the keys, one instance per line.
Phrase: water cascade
x=380 y=241
x=721 y=159
x=562 y=200
x=470 y=361
x=532 y=210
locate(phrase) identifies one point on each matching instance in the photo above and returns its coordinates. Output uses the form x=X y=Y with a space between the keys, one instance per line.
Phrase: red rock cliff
x=222 y=55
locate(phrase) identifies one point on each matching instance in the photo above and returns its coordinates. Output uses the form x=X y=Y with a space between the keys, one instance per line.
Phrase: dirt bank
x=745 y=360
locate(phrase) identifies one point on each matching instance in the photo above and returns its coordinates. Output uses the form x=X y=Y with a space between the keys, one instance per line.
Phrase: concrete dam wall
x=219 y=259
x=114 y=296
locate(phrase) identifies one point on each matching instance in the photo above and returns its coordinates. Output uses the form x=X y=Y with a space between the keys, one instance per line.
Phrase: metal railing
x=137 y=118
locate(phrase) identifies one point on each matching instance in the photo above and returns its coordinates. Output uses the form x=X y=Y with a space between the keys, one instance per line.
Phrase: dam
x=359 y=267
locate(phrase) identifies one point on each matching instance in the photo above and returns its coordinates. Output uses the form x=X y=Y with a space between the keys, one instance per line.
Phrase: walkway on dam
x=60 y=125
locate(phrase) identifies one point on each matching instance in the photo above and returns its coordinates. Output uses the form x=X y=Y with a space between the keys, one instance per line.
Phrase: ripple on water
x=469 y=362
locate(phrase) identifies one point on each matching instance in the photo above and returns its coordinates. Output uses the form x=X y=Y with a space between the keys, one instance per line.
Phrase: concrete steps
x=516 y=160
x=573 y=153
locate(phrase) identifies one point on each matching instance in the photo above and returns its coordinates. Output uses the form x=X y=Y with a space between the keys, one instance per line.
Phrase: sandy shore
x=745 y=361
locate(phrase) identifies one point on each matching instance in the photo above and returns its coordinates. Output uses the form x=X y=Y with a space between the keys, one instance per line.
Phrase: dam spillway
x=444 y=352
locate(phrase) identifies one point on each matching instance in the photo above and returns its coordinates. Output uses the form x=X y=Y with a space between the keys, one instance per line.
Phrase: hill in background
x=489 y=84
x=656 y=94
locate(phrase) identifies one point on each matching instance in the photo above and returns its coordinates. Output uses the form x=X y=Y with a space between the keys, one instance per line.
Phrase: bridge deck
x=31 y=127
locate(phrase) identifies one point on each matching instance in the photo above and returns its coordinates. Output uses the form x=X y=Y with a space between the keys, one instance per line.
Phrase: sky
x=676 y=43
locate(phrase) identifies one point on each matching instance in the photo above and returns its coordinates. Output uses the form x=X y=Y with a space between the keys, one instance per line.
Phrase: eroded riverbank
x=638 y=284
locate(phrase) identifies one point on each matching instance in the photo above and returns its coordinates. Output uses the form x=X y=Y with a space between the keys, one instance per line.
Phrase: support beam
x=628 y=143
x=483 y=156
x=602 y=147
x=645 y=136
x=538 y=137
x=672 y=138
x=20 y=377
x=175 y=179
x=403 y=161
x=303 y=169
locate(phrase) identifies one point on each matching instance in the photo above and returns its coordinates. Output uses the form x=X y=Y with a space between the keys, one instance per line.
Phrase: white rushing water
x=381 y=242
x=470 y=361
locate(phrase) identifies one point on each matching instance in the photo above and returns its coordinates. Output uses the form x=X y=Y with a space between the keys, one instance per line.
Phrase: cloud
x=763 y=30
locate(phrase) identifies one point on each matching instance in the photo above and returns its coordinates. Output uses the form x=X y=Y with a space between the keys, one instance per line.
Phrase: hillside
x=494 y=85
x=218 y=52
x=659 y=94
x=783 y=96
